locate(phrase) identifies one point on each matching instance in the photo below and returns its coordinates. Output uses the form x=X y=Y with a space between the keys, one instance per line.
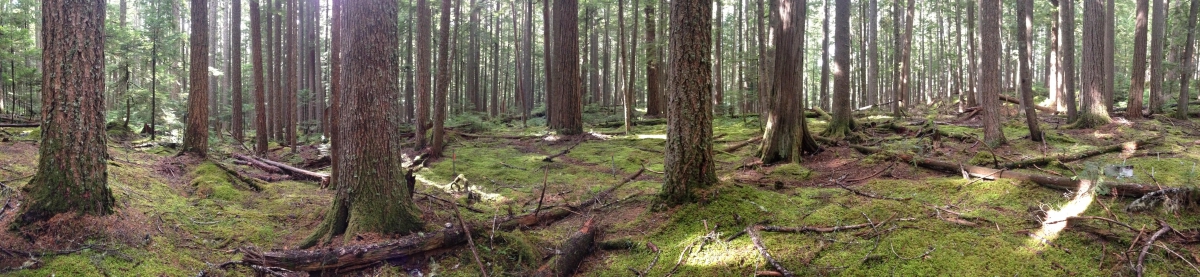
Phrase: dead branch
x=1066 y=158
x=564 y=152
x=868 y=195
x=20 y=125
x=572 y=252
x=470 y=242
x=1150 y=242
x=469 y=208
x=758 y=244
x=1053 y=182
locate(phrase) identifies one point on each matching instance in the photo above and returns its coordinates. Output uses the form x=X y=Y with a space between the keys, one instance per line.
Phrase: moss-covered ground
x=192 y=216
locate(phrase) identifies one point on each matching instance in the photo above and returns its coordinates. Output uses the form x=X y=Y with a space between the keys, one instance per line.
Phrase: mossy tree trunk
x=1025 y=45
x=1137 y=85
x=72 y=166
x=689 y=160
x=786 y=135
x=372 y=194
x=842 y=124
x=195 y=137
x=1093 y=111
x=989 y=67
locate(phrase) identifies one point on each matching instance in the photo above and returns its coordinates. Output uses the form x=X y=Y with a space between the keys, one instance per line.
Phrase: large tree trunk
x=1157 y=30
x=1067 y=49
x=424 y=53
x=1093 y=111
x=989 y=67
x=843 y=121
x=260 y=113
x=786 y=136
x=689 y=160
x=568 y=109
x=195 y=138
x=1025 y=45
x=235 y=87
x=1185 y=75
x=72 y=161
x=368 y=161
x=1137 y=75
x=443 y=82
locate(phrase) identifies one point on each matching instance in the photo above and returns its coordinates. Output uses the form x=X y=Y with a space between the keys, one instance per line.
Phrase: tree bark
x=293 y=80
x=72 y=158
x=1185 y=75
x=1067 y=49
x=1093 y=111
x=872 y=40
x=424 y=53
x=1157 y=30
x=443 y=82
x=1025 y=45
x=989 y=76
x=260 y=112
x=786 y=137
x=842 y=124
x=823 y=97
x=689 y=160
x=195 y=138
x=1138 y=72
x=653 y=103
x=568 y=107
x=1109 y=47
x=235 y=87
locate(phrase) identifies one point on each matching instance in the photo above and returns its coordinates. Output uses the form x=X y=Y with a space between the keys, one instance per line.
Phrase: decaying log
x=15 y=125
x=349 y=258
x=571 y=253
x=1054 y=182
x=739 y=145
x=258 y=164
x=251 y=182
x=291 y=170
x=1066 y=158
x=1014 y=100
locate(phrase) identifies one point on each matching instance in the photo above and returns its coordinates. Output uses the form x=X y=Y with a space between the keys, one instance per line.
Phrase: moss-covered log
x=577 y=247
x=1065 y=158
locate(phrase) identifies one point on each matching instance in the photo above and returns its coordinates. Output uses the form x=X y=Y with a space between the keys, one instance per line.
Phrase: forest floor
x=181 y=217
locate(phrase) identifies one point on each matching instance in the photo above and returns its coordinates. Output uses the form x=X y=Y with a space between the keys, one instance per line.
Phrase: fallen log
x=564 y=152
x=250 y=182
x=19 y=125
x=1014 y=100
x=573 y=251
x=258 y=164
x=739 y=145
x=640 y=122
x=354 y=257
x=1053 y=182
x=293 y=171
x=1066 y=158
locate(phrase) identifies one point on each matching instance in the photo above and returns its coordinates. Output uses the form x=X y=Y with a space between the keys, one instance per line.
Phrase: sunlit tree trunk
x=689 y=162
x=1093 y=112
x=1137 y=74
x=195 y=138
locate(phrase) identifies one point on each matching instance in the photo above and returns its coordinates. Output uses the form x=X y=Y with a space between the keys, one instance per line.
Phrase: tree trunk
x=443 y=82
x=260 y=113
x=566 y=99
x=195 y=138
x=293 y=80
x=1185 y=75
x=989 y=67
x=718 y=61
x=1025 y=45
x=236 y=70
x=843 y=121
x=689 y=160
x=1067 y=49
x=823 y=97
x=1137 y=75
x=653 y=103
x=424 y=53
x=1093 y=111
x=626 y=95
x=786 y=137
x=1109 y=47
x=1157 y=29
x=72 y=162
x=367 y=162
x=872 y=40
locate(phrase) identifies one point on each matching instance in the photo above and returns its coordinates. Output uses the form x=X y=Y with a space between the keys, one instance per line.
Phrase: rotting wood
x=291 y=170
x=355 y=257
x=572 y=252
x=1053 y=182
x=251 y=182
x=1066 y=158
x=739 y=145
x=1140 y=267
x=258 y=164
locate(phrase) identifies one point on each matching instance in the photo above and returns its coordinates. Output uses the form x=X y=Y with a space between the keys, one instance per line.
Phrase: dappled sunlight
x=1101 y=135
x=656 y=136
x=880 y=117
x=491 y=197
x=1056 y=219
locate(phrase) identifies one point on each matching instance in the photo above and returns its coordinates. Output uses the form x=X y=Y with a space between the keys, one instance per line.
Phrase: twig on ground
x=545 y=179
x=470 y=242
x=1140 y=267
x=758 y=244
x=868 y=195
x=1164 y=247
x=872 y=174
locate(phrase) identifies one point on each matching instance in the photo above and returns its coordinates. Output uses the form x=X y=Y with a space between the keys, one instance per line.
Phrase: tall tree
x=235 y=67
x=1157 y=28
x=654 y=105
x=195 y=138
x=1025 y=46
x=689 y=151
x=1093 y=112
x=565 y=96
x=369 y=164
x=424 y=31
x=1189 y=62
x=293 y=80
x=826 y=33
x=718 y=60
x=1109 y=47
x=786 y=136
x=872 y=40
x=842 y=124
x=72 y=162
x=989 y=66
x=626 y=95
x=443 y=81
x=1066 y=47
x=1137 y=74
x=260 y=109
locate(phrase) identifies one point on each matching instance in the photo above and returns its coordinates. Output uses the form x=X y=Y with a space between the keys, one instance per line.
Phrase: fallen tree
x=640 y=122
x=1014 y=100
x=577 y=247
x=736 y=146
x=1054 y=182
x=295 y=172
x=1065 y=158
x=20 y=125
x=354 y=257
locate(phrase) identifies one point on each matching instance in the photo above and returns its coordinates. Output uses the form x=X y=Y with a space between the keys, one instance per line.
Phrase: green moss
x=213 y=183
x=791 y=171
x=983 y=158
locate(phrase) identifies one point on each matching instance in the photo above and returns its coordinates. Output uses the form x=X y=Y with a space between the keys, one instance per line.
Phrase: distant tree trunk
x=336 y=87
x=443 y=82
x=626 y=95
x=424 y=53
x=1093 y=112
x=293 y=79
x=527 y=70
x=594 y=61
x=214 y=82
x=368 y=161
x=786 y=136
x=1054 y=71
x=410 y=105
x=236 y=70
x=653 y=105
x=260 y=110
x=547 y=61
x=153 y=89
x=1067 y=48
x=689 y=154
x=565 y=71
x=472 y=63
x=195 y=138
x=72 y=162
x=1109 y=47
x=825 y=34
x=1137 y=75
x=989 y=66
x=972 y=61
x=494 y=107
x=280 y=103
x=1025 y=46
x=872 y=40
x=1185 y=75
x=266 y=12
x=842 y=123
x=906 y=68
x=1157 y=28
x=718 y=60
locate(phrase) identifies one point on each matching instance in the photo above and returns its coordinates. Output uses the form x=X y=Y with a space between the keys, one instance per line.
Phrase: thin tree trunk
x=424 y=31
x=1025 y=46
x=653 y=105
x=1157 y=29
x=256 y=57
x=236 y=70
x=443 y=82
x=825 y=34
x=989 y=77
x=1185 y=75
